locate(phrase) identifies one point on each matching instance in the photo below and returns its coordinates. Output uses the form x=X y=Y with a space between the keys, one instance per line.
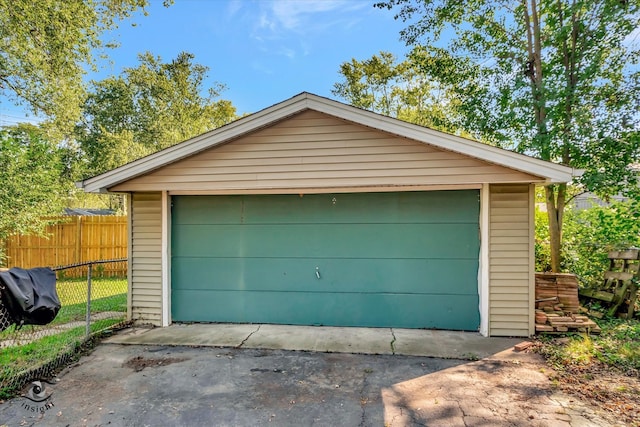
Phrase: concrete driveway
x=147 y=383
x=407 y=342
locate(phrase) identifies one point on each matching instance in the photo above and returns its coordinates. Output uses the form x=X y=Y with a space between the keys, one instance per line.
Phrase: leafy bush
x=620 y=343
x=31 y=182
x=617 y=346
x=542 y=248
x=588 y=236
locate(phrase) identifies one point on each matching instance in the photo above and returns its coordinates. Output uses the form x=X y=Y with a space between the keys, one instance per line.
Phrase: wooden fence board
x=74 y=239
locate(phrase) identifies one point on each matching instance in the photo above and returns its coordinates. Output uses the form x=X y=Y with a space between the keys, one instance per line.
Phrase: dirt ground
x=603 y=387
x=124 y=385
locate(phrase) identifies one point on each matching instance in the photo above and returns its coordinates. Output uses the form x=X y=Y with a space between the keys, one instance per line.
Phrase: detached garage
x=312 y=212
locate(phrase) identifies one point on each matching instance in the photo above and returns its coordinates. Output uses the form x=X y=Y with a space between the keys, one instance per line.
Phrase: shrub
x=618 y=346
x=588 y=236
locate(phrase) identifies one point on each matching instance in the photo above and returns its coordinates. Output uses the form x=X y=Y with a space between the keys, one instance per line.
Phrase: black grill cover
x=31 y=295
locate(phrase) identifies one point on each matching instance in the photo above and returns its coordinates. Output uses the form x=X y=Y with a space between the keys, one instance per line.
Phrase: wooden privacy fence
x=76 y=239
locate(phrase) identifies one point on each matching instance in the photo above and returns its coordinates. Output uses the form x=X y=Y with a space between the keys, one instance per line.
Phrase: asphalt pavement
x=208 y=385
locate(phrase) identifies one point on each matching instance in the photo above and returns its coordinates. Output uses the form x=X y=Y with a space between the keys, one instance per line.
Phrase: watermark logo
x=38 y=396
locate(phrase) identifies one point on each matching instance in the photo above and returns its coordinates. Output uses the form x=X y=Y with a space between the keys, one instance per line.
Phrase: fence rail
x=73 y=240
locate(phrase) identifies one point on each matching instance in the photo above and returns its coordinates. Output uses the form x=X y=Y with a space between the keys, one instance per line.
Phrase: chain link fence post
x=88 y=325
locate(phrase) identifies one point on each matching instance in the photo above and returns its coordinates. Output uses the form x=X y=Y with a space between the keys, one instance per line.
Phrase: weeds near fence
x=37 y=352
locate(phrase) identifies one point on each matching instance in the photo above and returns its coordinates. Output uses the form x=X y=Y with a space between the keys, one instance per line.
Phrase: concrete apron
x=407 y=342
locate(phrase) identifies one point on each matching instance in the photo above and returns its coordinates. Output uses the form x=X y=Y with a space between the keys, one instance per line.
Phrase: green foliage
x=556 y=79
x=398 y=90
x=146 y=109
x=31 y=182
x=543 y=252
x=589 y=235
x=618 y=345
x=17 y=359
x=46 y=47
x=369 y=84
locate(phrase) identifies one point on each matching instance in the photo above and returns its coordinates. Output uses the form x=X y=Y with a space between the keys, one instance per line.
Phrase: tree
x=32 y=182
x=148 y=108
x=46 y=47
x=558 y=79
x=396 y=89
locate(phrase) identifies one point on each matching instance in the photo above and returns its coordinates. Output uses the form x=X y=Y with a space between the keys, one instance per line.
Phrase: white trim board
x=328 y=190
x=166 y=259
x=129 y=206
x=483 y=266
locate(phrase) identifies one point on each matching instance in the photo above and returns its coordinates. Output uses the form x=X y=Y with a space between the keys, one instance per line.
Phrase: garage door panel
x=440 y=207
x=337 y=240
x=206 y=210
x=336 y=275
x=384 y=259
x=434 y=311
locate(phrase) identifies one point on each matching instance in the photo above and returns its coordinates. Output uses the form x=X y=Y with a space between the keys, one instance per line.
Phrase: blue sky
x=263 y=51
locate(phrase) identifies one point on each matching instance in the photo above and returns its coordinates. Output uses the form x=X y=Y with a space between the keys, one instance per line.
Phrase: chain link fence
x=93 y=300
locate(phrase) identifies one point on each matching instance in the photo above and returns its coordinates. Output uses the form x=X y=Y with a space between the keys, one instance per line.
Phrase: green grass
x=14 y=360
x=74 y=312
x=74 y=291
x=108 y=294
x=618 y=346
x=619 y=343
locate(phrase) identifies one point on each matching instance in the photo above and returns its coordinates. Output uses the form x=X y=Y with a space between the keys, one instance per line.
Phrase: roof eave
x=235 y=129
x=554 y=172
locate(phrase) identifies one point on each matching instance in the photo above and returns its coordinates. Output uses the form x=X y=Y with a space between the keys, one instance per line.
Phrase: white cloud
x=308 y=16
x=258 y=66
x=285 y=51
x=296 y=22
x=233 y=7
x=292 y=14
x=266 y=22
x=632 y=40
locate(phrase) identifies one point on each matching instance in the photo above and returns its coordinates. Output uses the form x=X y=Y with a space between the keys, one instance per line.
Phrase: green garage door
x=405 y=260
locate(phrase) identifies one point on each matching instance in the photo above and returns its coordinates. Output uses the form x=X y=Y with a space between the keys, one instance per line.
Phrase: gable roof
x=551 y=172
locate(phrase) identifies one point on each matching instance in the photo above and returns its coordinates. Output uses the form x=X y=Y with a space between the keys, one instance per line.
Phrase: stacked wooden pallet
x=557 y=305
x=562 y=286
x=554 y=322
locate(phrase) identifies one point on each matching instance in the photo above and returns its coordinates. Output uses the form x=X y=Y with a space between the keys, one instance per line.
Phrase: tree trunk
x=555 y=194
x=555 y=197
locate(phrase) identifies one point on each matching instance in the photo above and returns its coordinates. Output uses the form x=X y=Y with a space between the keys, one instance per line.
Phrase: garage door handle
x=318 y=272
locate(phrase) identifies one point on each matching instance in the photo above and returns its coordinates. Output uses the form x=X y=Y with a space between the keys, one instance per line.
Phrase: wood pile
x=557 y=305
x=562 y=286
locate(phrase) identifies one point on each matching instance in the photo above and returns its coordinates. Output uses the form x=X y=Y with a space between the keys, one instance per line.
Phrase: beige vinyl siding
x=315 y=150
x=510 y=260
x=146 y=260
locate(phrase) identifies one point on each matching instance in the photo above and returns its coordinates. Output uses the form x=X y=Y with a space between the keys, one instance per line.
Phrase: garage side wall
x=511 y=267
x=146 y=258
